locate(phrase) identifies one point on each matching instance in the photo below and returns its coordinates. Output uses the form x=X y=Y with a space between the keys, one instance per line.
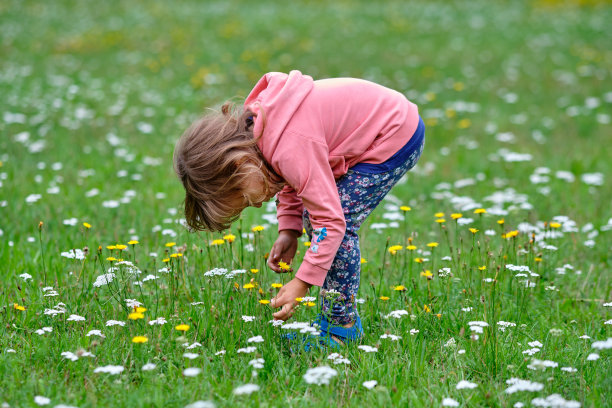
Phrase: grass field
x=508 y=308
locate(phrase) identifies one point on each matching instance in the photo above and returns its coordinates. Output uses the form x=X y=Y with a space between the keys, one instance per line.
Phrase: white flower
x=320 y=375
x=466 y=384
x=95 y=333
x=413 y=332
x=393 y=337
x=75 y=318
x=542 y=364
x=256 y=339
x=370 y=384
x=132 y=303
x=69 y=355
x=160 y=321
x=191 y=371
x=220 y=353
x=192 y=346
x=449 y=402
x=462 y=351
x=603 y=345
x=247 y=350
x=337 y=359
x=246 y=389
x=201 y=404
x=397 y=314
x=40 y=400
x=367 y=349
x=248 y=318
x=115 y=323
x=148 y=367
x=110 y=369
x=556 y=401
x=74 y=254
x=531 y=351
x=104 y=279
x=191 y=356
x=451 y=342
x=257 y=363
x=569 y=369
x=535 y=344
x=44 y=330
x=25 y=276
x=592 y=357
x=517 y=384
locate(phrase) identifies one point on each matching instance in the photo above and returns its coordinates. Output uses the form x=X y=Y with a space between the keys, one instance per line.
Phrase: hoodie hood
x=274 y=99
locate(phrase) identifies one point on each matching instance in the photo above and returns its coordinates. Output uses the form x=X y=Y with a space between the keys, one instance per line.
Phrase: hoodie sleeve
x=304 y=164
x=289 y=210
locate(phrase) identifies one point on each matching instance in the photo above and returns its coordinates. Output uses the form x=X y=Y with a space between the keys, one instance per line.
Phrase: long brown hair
x=212 y=159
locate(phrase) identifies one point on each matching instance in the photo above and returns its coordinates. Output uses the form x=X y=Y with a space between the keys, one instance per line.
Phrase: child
x=330 y=150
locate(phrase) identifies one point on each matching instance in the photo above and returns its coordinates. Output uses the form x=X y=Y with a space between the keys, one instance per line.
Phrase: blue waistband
x=399 y=157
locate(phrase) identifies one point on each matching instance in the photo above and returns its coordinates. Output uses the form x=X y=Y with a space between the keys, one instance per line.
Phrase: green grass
x=73 y=73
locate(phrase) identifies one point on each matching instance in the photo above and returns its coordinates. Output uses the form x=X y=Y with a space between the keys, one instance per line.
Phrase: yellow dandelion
x=363 y=260
x=399 y=288
x=17 y=306
x=135 y=316
x=299 y=299
x=176 y=255
x=405 y=208
x=121 y=246
x=438 y=315
x=139 y=339
x=166 y=260
x=394 y=248
x=284 y=266
x=456 y=216
x=170 y=244
x=254 y=270
x=419 y=260
x=307 y=244
x=411 y=247
x=473 y=230
x=426 y=309
x=440 y=220
x=111 y=247
x=257 y=228
x=140 y=309
x=427 y=274
x=555 y=225
x=482 y=268
x=87 y=225
x=277 y=285
x=432 y=244
x=182 y=327
x=310 y=304
x=439 y=215
x=384 y=298
x=480 y=211
x=229 y=238
x=133 y=242
x=218 y=242
x=501 y=222
x=538 y=259
x=512 y=234
x=248 y=286
x=111 y=259
x=264 y=301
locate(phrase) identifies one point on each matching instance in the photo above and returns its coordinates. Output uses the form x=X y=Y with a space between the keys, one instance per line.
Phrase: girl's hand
x=283 y=249
x=296 y=288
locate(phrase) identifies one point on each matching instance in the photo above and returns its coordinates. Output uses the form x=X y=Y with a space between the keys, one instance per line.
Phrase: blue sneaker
x=325 y=339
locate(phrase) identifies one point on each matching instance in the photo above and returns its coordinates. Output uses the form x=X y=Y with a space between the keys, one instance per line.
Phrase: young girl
x=330 y=150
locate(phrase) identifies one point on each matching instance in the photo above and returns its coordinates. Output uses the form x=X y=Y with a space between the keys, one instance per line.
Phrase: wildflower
x=254 y=270
x=248 y=286
x=592 y=357
x=249 y=318
x=111 y=247
x=473 y=230
x=216 y=242
x=449 y=402
x=40 y=400
x=246 y=389
x=512 y=234
x=426 y=309
x=191 y=356
x=148 y=367
x=247 y=350
x=182 y=327
x=115 y=323
x=111 y=259
x=517 y=384
x=427 y=274
x=307 y=244
x=159 y=321
x=413 y=332
x=480 y=211
x=95 y=333
x=139 y=339
x=439 y=215
x=319 y=375
x=19 y=307
x=229 y=238
x=264 y=301
x=121 y=246
x=256 y=339
x=170 y=244
x=537 y=259
x=419 y=260
x=394 y=248
x=87 y=225
x=257 y=363
x=456 y=216
x=277 y=285
x=465 y=384
x=191 y=371
x=399 y=288
x=135 y=316
x=384 y=298
x=482 y=268
x=176 y=255
x=405 y=208
x=363 y=260
x=397 y=314
x=310 y=304
x=257 y=228
x=370 y=384
x=440 y=220
x=110 y=369
x=133 y=242
x=284 y=266
x=555 y=225
x=501 y=222
x=602 y=345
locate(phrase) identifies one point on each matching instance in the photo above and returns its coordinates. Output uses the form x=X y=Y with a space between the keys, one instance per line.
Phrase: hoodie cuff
x=290 y=222
x=313 y=274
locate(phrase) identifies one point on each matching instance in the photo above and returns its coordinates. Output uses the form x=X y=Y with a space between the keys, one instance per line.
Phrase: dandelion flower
x=257 y=228
x=135 y=316
x=439 y=215
x=229 y=238
x=121 y=246
x=139 y=339
x=87 y=225
x=19 y=307
x=254 y=270
x=277 y=285
x=284 y=266
x=182 y=327
x=456 y=216
x=473 y=230
x=248 y=286
x=384 y=298
x=440 y=220
x=264 y=301
x=432 y=244
x=170 y=244
x=399 y=288
x=133 y=242
x=480 y=211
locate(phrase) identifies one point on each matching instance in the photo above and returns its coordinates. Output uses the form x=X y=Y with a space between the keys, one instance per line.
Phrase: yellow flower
x=455 y=216
x=439 y=215
x=464 y=124
x=307 y=244
x=140 y=309
x=538 y=259
x=439 y=315
x=277 y=285
x=135 y=316
x=257 y=228
x=139 y=339
x=254 y=270
x=426 y=309
x=555 y=225
x=482 y=268
x=218 y=242
x=473 y=230
x=405 y=208
x=176 y=255
x=399 y=287
x=264 y=301
x=384 y=298
x=440 y=220
x=229 y=238
x=19 y=307
x=411 y=247
x=501 y=222
x=284 y=266
x=166 y=260
x=133 y=242
x=299 y=299
x=363 y=260
x=248 y=286
x=418 y=260
x=310 y=304
x=432 y=244
x=170 y=244
x=480 y=211
x=111 y=247
x=512 y=234
x=394 y=248
x=121 y=246
x=87 y=225
x=111 y=259
x=182 y=327
x=427 y=274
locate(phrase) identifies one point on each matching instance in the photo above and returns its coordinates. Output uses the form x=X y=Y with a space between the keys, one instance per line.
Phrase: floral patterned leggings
x=361 y=189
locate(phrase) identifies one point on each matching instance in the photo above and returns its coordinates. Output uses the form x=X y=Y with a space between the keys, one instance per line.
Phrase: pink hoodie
x=313 y=132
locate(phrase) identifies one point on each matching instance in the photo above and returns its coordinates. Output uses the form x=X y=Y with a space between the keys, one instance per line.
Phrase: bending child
x=330 y=150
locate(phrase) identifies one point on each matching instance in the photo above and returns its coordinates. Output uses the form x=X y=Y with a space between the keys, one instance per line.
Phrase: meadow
x=485 y=273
